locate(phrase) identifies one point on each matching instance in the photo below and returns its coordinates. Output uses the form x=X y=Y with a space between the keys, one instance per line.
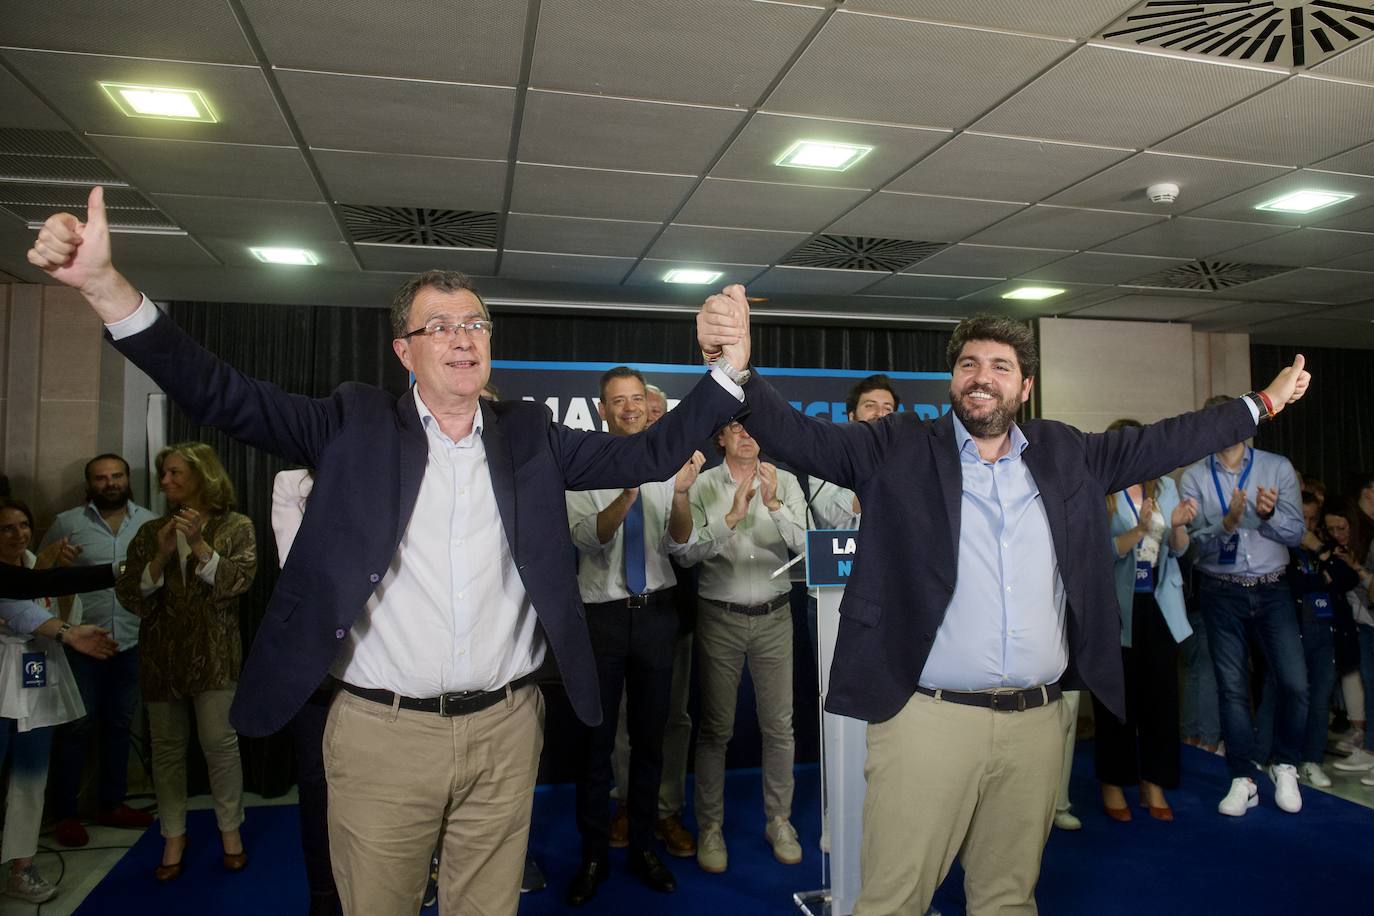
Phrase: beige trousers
x=401 y=781
x=171 y=733
x=946 y=780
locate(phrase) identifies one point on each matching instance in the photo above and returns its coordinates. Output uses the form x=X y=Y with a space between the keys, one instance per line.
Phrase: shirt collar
x=968 y=447
x=431 y=425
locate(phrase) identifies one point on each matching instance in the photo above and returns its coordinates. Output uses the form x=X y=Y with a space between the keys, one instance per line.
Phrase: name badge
x=1229 y=548
x=1319 y=603
x=35 y=673
x=1144 y=576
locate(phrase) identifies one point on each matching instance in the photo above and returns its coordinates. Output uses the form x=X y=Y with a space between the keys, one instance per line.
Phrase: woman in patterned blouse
x=184 y=575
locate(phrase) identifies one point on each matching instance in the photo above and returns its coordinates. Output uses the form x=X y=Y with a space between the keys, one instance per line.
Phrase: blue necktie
x=634 y=548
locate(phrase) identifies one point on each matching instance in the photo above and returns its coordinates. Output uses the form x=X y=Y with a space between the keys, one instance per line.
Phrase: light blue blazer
x=1168 y=577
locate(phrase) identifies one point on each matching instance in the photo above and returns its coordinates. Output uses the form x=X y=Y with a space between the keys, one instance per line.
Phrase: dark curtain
x=1330 y=433
x=311 y=350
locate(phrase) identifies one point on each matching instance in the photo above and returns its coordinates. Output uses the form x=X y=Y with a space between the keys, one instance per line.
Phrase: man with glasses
x=430 y=574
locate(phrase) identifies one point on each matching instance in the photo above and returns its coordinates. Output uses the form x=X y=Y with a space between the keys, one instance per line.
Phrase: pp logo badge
x=35 y=669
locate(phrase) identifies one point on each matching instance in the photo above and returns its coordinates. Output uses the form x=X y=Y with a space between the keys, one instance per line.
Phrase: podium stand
x=829 y=557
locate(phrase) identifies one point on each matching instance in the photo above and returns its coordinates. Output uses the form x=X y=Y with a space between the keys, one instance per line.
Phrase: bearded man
x=98 y=533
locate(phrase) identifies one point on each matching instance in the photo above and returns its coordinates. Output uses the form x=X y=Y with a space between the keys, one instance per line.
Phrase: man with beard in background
x=982 y=588
x=99 y=532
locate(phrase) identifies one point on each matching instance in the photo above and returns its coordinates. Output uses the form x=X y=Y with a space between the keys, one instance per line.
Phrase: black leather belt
x=464 y=703
x=753 y=610
x=662 y=596
x=999 y=700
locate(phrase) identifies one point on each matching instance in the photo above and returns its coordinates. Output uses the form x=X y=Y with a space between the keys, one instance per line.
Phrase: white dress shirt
x=832 y=506
x=290 y=490
x=601 y=567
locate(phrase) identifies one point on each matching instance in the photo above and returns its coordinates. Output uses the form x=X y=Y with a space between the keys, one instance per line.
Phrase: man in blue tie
x=624 y=539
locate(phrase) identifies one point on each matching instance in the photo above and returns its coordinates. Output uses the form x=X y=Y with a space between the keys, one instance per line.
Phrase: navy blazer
x=907 y=475
x=369 y=450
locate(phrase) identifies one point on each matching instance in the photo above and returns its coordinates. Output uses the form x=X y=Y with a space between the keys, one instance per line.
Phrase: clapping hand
x=688 y=473
x=744 y=494
x=58 y=553
x=768 y=485
x=1265 y=500
x=1184 y=513
x=1235 y=511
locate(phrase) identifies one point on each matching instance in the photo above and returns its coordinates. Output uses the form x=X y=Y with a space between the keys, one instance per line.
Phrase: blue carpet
x=1266 y=862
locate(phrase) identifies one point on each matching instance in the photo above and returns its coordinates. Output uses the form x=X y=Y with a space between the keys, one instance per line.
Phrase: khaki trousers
x=946 y=780
x=401 y=781
x=170 y=736
x=725 y=642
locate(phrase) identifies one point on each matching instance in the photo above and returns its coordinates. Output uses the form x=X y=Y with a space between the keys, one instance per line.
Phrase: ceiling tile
x=137 y=252
x=650 y=272
x=1200 y=181
x=564 y=268
x=767 y=136
x=1294 y=123
x=856 y=60
x=420 y=40
x=24 y=109
x=562 y=128
x=1069 y=18
x=1315 y=332
x=1361 y=311
x=1241 y=206
x=203 y=30
x=1362 y=261
x=815 y=281
x=390 y=180
x=1148 y=308
x=992 y=295
x=558 y=191
x=923 y=286
x=758 y=205
x=986 y=261
x=1096 y=267
x=210 y=169
x=1309 y=284
x=416 y=258
x=1241 y=317
x=1302 y=248
x=254 y=222
x=332 y=256
x=566 y=235
x=716 y=52
x=1356 y=63
x=1065 y=226
x=1004 y=168
x=919 y=217
x=1354 y=221
x=400 y=116
x=709 y=243
x=239 y=96
x=1188 y=237
x=1358 y=161
x=1116 y=97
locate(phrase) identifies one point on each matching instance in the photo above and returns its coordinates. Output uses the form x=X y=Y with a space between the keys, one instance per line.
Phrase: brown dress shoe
x=676 y=838
x=1118 y=814
x=165 y=873
x=235 y=861
x=620 y=827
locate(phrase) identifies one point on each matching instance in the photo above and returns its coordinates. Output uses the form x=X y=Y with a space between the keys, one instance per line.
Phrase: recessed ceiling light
x=1033 y=293
x=681 y=275
x=160 y=102
x=1304 y=201
x=820 y=154
x=297 y=256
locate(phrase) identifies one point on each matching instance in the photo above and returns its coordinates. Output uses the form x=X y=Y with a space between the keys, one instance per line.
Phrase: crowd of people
x=424 y=600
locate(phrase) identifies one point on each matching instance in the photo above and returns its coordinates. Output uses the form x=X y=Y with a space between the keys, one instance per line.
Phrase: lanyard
x=1240 y=484
x=1127 y=493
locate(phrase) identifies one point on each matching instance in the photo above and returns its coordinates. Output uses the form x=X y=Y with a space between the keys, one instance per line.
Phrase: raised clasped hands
x=723 y=326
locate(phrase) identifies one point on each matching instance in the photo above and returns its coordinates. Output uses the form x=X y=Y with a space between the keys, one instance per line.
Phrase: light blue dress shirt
x=1168 y=576
x=23 y=617
x=1005 y=625
x=1263 y=545
x=83 y=527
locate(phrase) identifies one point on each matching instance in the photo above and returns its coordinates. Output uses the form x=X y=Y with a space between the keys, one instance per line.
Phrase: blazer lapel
x=414 y=455
x=950 y=473
x=1043 y=471
x=501 y=464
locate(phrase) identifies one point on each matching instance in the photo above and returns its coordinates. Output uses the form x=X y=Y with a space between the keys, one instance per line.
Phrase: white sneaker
x=711 y=854
x=29 y=885
x=1286 y=794
x=783 y=837
x=1350 y=742
x=1066 y=820
x=1367 y=779
x=1357 y=762
x=1242 y=797
x=1316 y=776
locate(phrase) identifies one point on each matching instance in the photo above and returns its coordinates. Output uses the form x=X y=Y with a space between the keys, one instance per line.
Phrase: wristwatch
x=738 y=376
x=61 y=634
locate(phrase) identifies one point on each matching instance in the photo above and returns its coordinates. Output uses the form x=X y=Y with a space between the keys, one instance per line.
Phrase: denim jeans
x=1201 y=715
x=1318 y=647
x=1234 y=615
x=109 y=690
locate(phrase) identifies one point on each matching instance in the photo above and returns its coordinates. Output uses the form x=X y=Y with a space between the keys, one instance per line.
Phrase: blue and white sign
x=830 y=556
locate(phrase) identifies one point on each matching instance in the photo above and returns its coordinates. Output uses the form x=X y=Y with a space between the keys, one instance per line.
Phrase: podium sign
x=830 y=557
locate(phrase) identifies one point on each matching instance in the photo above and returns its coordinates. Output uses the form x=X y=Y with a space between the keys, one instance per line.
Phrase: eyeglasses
x=444 y=329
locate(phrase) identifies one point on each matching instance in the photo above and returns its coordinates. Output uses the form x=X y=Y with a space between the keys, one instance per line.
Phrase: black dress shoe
x=649 y=868
x=533 y=879
x=588 y=878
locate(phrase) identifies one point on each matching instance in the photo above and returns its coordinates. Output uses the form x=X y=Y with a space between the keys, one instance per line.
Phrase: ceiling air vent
x=1208 y=275
x=50 y=156
x=421 y=226
x=1283 y=32
x=126 y=209
x=852 y=252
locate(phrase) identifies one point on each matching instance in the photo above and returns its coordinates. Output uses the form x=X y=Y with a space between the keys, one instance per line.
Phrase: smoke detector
x=1163 y=193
